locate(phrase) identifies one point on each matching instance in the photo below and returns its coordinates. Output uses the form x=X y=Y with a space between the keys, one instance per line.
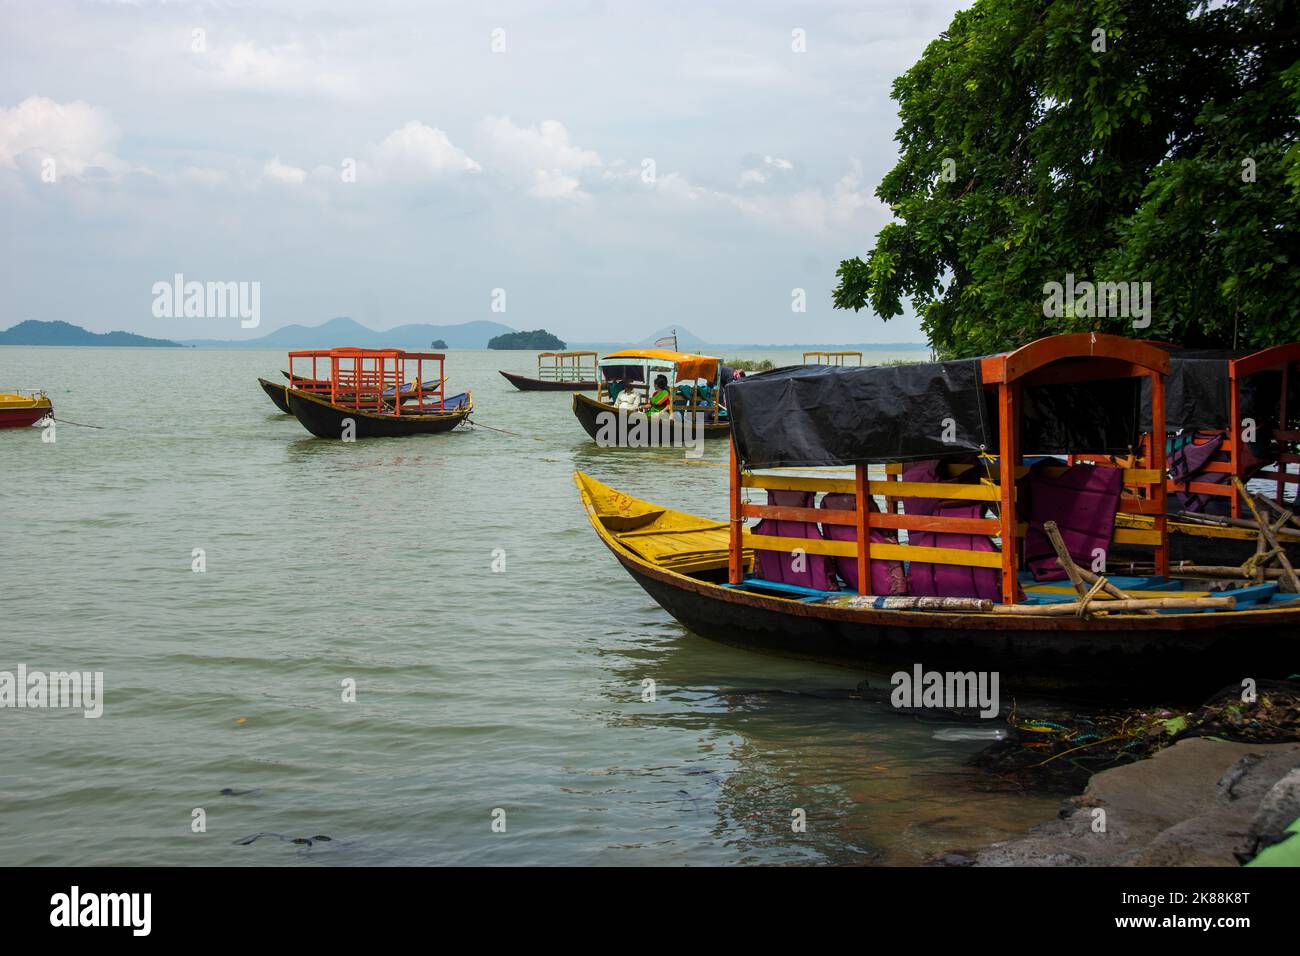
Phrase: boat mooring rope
x=64 y=421
x=503 y=431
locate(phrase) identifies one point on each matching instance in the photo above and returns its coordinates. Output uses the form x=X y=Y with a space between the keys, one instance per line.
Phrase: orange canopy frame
x=375 y=379
x=688 y=366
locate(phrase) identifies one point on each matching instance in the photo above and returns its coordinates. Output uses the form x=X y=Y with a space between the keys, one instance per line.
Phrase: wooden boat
x=326 y=419
x=277 y=393
x=23 y=409
x=694 y=405
x=558 y=372
x=1163 y=635
x=372 y=395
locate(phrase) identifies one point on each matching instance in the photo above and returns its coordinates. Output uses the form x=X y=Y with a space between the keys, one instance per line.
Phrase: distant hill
x=537 y=339
x=687 y=341
x=32 y=332
x=345 y=332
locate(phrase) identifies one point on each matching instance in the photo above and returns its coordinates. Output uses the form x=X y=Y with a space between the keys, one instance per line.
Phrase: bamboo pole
x=1289 y=581
x=1087 y=598
x=1223 y=571
x=913 y=603
x=1281 y=511
x=1106 y=586
x=1063 y=556
x=1142 y=604
x=1223 y=521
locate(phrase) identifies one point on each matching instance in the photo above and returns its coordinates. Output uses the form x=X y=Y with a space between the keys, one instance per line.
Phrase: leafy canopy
x=1115 y=140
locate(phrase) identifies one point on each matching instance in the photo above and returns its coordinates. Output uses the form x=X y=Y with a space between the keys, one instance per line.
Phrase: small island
x=537 y=339
x=438 y=344
x=33 y=332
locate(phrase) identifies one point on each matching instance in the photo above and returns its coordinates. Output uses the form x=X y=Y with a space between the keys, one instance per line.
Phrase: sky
x=598 y=169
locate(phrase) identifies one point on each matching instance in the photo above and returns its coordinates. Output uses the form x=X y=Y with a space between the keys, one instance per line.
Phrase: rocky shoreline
x=1197 y=802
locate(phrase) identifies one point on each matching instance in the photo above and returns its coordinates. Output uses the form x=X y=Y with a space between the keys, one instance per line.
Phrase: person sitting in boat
x=628 y=400
x=662 y=399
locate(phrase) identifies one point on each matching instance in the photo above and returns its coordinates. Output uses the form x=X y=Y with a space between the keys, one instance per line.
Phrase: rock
x=1279 y=808
x=1235 y=774
x=1191 y=804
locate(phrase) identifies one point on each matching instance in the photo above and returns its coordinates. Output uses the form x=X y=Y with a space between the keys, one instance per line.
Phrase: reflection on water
x=476 y=689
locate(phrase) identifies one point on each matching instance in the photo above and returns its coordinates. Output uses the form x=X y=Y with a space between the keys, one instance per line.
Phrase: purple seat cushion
x=887 y=577
x=1082 y=502
x=805 y=570
x=947 y=580
x=1188 y=464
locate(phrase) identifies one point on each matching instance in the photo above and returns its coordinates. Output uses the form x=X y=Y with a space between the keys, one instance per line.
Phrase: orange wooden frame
x=1281 y=358
x=1074 y=357
x=359 y=379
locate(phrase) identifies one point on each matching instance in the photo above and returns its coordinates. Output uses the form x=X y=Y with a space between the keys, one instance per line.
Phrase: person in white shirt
x=628 y=399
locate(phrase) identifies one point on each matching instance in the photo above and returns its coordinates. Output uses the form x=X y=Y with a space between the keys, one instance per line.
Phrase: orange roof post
x=1074 y=357
x=861 y=523
x=1279 y=357
x=1160 y=488
x=1282 y=463
x=1235 y=432
x=1008 y=459
x=735 y=552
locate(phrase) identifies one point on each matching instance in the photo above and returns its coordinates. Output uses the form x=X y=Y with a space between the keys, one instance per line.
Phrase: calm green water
x=476 y=690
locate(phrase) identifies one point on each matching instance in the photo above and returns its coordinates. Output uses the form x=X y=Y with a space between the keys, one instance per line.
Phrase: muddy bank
x=1199 y=802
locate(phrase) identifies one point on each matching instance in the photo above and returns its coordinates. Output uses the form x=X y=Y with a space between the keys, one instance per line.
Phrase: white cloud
x=284 y=68
x=418 y=152
x=848 y=207
x=282 y=173
x=542 y=156
x=758 y=174
x=76 y=135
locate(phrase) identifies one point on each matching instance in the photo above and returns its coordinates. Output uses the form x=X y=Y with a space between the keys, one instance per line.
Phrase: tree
x=1108 y=140
x=536 y=339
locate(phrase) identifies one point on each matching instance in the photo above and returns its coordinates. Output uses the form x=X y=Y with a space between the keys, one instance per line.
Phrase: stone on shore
x=1196 y=803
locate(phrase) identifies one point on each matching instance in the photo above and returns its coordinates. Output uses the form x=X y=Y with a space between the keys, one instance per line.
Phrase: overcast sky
x=617 y=167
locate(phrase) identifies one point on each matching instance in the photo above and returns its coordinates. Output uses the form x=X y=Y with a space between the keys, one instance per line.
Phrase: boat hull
x=526 y=384
x=277 y=393
x=1129 y=661
x=589 y=413
x=326 y=420
x=24 y=414
x=1168 y=657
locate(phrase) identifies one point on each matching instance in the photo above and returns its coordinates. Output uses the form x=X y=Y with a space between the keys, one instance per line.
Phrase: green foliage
x=537 y=339
x=751 y=365
x=1115 y=164
x=438 y=344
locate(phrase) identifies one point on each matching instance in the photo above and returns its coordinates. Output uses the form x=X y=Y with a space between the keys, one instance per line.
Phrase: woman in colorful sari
x=661 y=399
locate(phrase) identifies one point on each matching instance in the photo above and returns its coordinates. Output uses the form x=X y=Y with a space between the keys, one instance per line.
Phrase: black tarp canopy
x=1198 y=395
x=813 y=416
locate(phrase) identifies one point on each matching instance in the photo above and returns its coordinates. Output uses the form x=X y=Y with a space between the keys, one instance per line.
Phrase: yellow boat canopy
x=688 y=366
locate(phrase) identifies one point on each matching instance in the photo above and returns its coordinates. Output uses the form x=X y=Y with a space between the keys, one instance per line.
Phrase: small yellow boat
x=21 y=409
